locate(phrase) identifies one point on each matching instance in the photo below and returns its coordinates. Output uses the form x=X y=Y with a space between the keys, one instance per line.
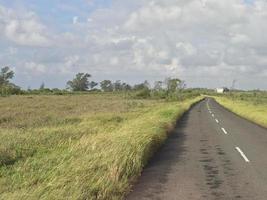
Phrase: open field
x=252 y=106
x=79 y=147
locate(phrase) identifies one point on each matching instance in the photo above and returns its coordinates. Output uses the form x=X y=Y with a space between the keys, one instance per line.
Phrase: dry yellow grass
x=246 y=108
x=78 y=147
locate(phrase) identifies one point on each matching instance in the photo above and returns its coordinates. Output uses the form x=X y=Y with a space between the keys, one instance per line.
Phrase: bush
x=144 y=93
x=10 y=89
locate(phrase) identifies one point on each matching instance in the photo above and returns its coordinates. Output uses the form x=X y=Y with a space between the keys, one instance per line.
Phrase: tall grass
x=79 y=147
x=253 y=109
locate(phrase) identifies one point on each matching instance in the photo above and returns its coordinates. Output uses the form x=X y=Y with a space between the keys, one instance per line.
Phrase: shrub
x=144 y=93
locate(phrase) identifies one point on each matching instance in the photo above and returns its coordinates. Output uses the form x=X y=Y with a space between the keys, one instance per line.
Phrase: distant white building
x=222 y=90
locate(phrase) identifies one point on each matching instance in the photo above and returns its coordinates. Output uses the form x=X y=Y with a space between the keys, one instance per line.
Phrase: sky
x=207 y=43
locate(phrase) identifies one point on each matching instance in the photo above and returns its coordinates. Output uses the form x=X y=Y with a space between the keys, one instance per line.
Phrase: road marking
x=225 y=132
x=242 y=154
x=217 y=121
x=213 y=115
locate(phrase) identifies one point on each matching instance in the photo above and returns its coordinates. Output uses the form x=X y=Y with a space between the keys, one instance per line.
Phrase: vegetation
x=6 y=87
x=80 y=82
x=5 y=75
x=79 y=147
x=106 y=86
x=250 y=105
x=170 y=89
x=89 y=141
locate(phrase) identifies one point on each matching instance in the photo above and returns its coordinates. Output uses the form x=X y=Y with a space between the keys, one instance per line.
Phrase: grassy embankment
x=78 y=147
x=251 y=108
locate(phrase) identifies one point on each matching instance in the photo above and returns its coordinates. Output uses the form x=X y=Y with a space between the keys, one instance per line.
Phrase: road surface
x=211 y=155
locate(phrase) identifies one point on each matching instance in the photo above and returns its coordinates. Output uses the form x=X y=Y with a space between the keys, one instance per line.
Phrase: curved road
x=212 y=155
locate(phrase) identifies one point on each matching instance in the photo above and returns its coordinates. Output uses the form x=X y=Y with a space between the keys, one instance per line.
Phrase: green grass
x=251 y=108
x=79 y=147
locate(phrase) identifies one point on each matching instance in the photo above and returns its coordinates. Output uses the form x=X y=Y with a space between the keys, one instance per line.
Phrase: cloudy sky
x=207 y=43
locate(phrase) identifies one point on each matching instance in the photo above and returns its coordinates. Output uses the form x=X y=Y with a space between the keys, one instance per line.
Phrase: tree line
x=81 y=83
x=170 y=87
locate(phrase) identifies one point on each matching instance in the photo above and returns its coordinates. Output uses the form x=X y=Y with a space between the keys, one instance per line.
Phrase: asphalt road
x=211 y=155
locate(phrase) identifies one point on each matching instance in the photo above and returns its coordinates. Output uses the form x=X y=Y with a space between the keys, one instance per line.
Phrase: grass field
x=252 y=106
x=78 y=147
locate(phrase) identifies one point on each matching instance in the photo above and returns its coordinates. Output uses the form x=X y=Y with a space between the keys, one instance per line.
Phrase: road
x=212 y=155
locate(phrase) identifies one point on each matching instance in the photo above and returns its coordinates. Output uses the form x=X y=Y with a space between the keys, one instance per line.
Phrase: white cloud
x=191 y=39
x=186 y=49
x=202 y=41
x=114 y=61
x=75 y=19
x=35 y=68
x=71 y=63
x=152 y=15
x=23 y=29
x=12 y=51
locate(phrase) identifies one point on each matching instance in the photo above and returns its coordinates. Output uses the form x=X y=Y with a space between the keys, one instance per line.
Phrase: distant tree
x=92 y=85
x=142 y=90
x=58 y=91
x=5 y=75
x=142 y=86
x=172 y=84
x=182 y=85
x=158 y=85
x=146 y=84
x=6 y=87
x=118 y=85
x=42 y=86
x=80 y=82
x=139 y=86
x=126 y=87
x=106 y=86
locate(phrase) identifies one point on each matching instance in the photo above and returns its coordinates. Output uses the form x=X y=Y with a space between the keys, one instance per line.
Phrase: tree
x=5 y=75
x=106 y=86
x=80 y=82
x=142 y=86
x=92 y=85
x=172 y=84
x=126 y=87
x=158 y=85
x=42 y=86
x=142 y=90
x=182 y=85
x=7 y=88
x=146 y=84
x=118 y=85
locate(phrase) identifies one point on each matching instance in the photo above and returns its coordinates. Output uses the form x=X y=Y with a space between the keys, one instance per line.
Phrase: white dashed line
x=225 y=132
x=242 y=154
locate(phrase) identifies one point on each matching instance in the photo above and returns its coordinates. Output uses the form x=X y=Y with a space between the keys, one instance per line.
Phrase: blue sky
x=58 y=13
x=208 y=43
